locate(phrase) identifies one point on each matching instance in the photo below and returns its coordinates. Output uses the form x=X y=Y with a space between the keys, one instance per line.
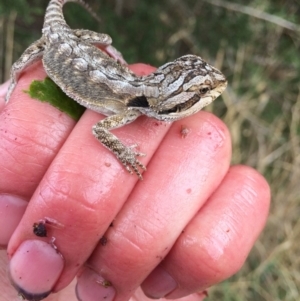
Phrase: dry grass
x=268 y=141
x=272 y=271
x=261 y=107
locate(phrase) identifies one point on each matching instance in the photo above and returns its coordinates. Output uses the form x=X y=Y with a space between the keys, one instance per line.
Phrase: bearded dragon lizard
x=100 y=80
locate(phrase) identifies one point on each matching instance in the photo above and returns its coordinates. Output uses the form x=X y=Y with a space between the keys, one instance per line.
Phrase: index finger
x=31 y=134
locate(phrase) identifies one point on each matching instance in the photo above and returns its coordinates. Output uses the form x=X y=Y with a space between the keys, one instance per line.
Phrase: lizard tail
x=54 y=12
x=86 y=6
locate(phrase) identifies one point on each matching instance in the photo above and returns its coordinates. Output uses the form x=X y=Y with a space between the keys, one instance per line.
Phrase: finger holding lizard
x=60 y=182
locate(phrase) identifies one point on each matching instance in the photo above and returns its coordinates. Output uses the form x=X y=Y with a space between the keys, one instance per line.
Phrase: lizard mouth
x=181 y=107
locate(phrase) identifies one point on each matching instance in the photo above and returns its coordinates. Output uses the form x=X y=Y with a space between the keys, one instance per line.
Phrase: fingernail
x=35 y=268
x=158 y=284
x=92 y=287
x=12 y=209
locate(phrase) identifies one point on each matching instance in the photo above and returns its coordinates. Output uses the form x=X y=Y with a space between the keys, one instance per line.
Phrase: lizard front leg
x=102 y=40
x=125 y=154
x=33 y=53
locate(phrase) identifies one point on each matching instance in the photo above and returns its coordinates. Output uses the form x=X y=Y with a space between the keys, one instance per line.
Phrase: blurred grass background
x=256 y=44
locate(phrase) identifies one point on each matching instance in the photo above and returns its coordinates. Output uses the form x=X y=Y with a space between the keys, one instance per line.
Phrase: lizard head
x=185 y=86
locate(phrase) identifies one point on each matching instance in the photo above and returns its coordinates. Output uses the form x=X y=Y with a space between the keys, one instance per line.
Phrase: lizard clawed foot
x=129 y=160
x=138 y=154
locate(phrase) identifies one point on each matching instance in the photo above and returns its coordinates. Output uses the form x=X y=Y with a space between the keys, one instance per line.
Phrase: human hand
x=188 y=225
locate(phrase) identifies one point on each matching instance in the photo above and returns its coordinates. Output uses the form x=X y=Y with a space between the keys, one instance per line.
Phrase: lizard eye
x=204 y=90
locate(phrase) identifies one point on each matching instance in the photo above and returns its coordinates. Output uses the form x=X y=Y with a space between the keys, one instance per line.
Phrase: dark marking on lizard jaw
x=182 y=106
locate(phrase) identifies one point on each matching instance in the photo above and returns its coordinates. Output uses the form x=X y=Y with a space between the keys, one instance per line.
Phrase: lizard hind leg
x=102 y=40
x=93 y=37
x=33 y=53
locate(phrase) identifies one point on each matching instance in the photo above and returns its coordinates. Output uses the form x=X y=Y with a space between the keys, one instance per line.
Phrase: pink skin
x=192 y=210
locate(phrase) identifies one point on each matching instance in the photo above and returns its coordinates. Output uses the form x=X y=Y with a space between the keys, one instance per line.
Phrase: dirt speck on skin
x=184 y=131
x=105 y=283
x=39 y=229
x=103 y=241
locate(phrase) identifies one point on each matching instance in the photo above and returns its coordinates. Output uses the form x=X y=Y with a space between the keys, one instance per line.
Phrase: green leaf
x=47 y=91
